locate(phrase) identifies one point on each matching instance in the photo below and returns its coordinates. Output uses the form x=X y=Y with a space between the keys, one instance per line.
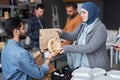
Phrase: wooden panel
x=6 y=2
x=75 y=0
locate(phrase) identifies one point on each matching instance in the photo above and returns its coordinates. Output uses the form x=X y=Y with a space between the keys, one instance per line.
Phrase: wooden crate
x=39 y=61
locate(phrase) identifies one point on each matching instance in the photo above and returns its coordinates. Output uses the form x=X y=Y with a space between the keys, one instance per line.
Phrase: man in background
x=73 y=19
x=34 y=25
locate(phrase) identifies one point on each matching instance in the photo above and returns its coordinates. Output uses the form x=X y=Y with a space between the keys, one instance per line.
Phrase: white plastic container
x=114 y=74
x=80 y=78
x=103 y=78
x=95 y=72
x=81 y=72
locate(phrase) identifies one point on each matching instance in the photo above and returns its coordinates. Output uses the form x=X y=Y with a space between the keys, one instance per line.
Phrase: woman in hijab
x=90 y=37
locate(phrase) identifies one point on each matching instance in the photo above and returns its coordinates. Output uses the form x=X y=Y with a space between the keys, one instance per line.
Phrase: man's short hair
x=39 y=6
x=10 y=24
x=72 y=4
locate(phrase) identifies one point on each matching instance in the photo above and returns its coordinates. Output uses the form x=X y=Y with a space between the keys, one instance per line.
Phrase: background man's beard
x=22 y=37
x=70 y=16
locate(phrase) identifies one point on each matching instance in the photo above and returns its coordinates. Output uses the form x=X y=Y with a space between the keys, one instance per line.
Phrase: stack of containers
x=111 y=75
x=103 y=78
x=114 y=74
x=87 y=73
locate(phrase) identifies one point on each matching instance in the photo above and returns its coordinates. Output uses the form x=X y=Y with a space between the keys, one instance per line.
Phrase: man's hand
x=36 y=54
x=52 y=55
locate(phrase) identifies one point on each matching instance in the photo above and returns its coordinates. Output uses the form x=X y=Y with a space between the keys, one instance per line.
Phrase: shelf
x=2 y=20
x=12 y=10
x=12 y=6
x=25 y=20
x=76 y=0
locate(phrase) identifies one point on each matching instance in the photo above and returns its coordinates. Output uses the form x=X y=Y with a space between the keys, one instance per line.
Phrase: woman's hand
x=58 y=30
x=61 y=50
x=117 y=47
x=53 y=54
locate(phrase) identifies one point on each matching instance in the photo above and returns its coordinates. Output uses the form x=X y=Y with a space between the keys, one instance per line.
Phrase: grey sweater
x=95 y=47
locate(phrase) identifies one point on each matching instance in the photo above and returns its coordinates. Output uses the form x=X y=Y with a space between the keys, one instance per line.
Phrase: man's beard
x=22 y=37
x=72 y=16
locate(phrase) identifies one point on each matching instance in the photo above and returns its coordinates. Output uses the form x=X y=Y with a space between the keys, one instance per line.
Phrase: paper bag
x=45 y=36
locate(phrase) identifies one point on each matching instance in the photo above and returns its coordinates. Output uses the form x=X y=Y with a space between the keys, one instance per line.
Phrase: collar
x=11 y=41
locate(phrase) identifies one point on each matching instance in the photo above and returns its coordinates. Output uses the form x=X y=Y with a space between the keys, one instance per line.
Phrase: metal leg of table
x=55 y=64
x=111 y=57
x=116 y=57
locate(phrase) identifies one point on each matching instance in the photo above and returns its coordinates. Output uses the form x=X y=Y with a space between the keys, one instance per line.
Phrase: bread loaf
x=54 y=45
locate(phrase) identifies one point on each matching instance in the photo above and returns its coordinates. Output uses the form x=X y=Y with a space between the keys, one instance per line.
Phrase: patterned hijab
x=93 y=11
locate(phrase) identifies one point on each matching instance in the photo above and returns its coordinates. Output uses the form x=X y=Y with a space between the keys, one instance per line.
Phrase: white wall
x=79 y=6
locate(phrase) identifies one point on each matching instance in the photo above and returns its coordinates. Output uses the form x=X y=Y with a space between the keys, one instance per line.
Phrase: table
x=112 y=52
x=61 y=56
